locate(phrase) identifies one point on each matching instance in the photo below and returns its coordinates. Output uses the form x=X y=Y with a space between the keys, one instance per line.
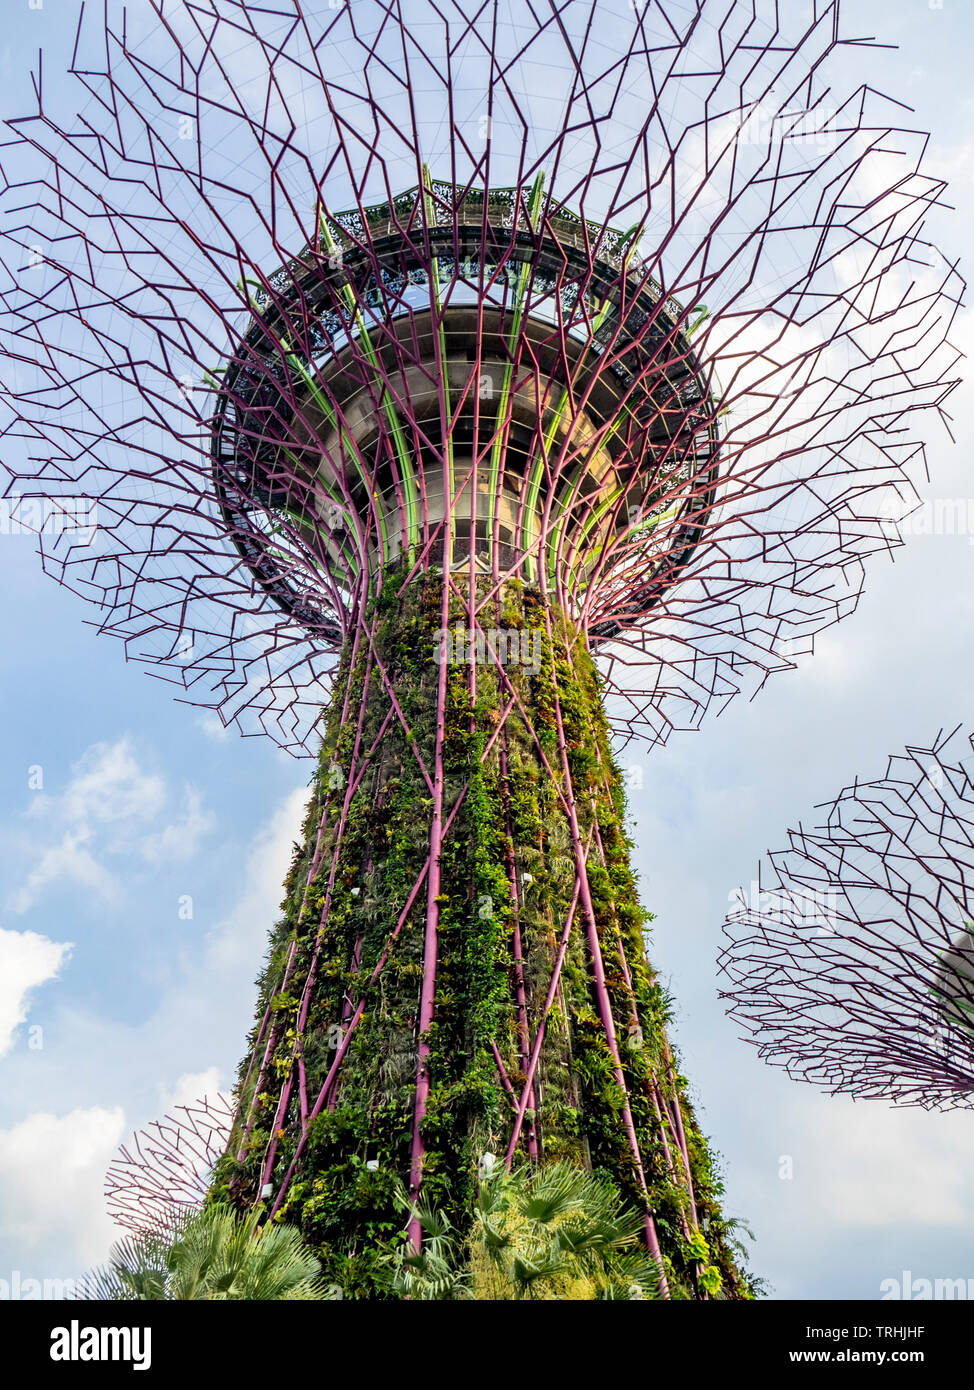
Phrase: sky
x=143 y=847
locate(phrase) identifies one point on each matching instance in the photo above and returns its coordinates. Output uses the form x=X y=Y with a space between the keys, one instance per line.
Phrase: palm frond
x=212 y=1254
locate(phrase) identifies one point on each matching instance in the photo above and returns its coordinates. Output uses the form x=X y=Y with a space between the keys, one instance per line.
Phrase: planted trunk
x=460 y=969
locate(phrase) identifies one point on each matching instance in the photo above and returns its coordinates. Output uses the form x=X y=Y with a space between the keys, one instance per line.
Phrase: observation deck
x=455 y=370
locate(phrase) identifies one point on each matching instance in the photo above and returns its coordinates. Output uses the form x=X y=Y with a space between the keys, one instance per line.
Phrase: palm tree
x=438 y=1270
x=555 y=1233
x=212 y=1253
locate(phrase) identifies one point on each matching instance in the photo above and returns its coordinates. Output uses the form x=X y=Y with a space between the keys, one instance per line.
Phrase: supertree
x=388 y=340
x=166 y=1168
x=852 y=965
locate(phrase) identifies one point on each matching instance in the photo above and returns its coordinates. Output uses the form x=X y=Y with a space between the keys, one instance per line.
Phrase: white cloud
x=189 y=1088
x=195 y=1029
x=179 y=841
x=108 y=785
x=872 y=1165
x=52 y=1169
x=104 y=809
x=68 y=861
x=213 y=727
x=52 y=1165
x=240 y=939
x=27 y=960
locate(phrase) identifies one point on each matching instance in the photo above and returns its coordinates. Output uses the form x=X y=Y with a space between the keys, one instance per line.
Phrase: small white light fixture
x=267 y=1190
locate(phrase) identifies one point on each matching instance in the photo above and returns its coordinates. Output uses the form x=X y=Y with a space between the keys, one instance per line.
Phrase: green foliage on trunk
x=507 y=860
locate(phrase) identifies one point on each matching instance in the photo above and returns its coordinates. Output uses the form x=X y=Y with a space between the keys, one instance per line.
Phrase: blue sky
x=145 y=802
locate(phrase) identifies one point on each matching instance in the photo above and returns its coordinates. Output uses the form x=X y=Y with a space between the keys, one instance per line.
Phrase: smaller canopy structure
x=852 y=964
x=164 y=1172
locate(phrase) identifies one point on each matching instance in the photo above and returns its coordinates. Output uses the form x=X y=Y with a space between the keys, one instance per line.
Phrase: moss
x=508 y=870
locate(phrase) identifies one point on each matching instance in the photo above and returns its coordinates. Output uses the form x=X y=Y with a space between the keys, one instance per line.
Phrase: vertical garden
x=548 y=1041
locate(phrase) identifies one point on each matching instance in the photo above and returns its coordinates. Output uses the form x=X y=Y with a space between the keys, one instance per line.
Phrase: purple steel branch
x=854 y=969
x=819 y=373
x=165 y=1171
x=682 y=346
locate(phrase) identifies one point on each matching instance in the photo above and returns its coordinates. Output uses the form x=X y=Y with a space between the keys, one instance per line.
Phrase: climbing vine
x=534 y=809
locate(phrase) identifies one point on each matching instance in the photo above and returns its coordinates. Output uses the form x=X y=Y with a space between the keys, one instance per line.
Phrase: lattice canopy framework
x=669 y=226
x=164 y=1172
x=416 y=357
x=546 y=414
x=855 y=968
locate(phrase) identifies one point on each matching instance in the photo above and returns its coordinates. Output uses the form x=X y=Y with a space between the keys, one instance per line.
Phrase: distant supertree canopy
x=239 y=286
x=484 y=375
x=853 y=964
x=165 y=1171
